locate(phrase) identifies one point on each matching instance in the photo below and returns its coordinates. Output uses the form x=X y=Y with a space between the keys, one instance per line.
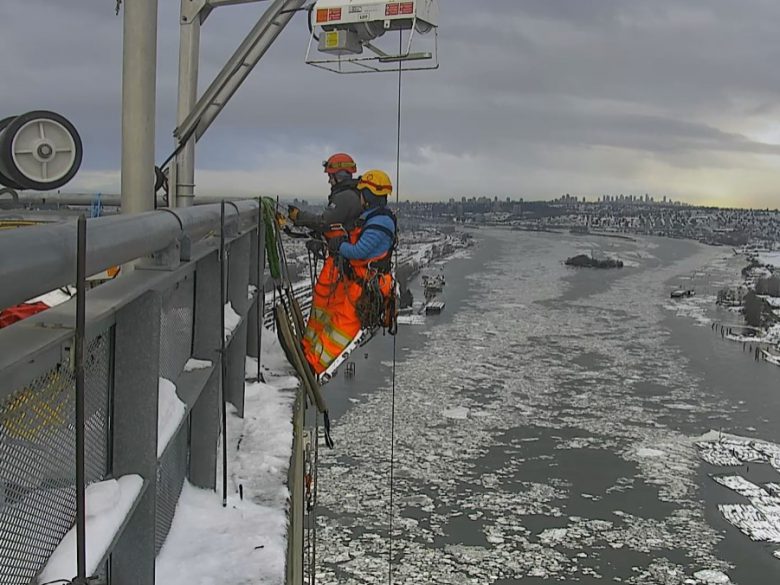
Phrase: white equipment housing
x=342 y=29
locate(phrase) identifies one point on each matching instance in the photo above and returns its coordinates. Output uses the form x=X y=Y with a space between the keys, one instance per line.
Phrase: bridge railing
x=141 y=327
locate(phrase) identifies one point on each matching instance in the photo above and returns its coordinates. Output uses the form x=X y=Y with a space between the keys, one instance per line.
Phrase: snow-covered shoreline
x=766 y=337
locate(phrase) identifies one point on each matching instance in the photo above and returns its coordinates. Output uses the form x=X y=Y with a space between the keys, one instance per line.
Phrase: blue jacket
x=375 y=239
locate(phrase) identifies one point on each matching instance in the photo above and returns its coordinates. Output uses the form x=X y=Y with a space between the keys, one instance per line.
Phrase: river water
x=545 y=425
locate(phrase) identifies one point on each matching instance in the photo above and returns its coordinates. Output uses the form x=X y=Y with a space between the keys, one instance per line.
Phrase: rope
x=271 y=246
x=395 y=337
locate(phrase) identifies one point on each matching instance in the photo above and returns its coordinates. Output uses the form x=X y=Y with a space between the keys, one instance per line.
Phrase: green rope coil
x=268 y=208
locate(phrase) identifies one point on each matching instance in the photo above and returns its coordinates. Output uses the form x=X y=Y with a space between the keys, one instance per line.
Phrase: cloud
x=533 y=98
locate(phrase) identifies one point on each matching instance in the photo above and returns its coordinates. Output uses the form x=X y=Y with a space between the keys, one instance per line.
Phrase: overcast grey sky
x=534 y=98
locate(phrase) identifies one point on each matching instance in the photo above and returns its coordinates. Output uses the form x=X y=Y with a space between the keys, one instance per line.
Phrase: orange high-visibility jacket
x=334 y=322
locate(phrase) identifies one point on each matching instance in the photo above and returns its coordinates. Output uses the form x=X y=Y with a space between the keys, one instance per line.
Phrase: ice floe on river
x=570 y=470
x=759 y=519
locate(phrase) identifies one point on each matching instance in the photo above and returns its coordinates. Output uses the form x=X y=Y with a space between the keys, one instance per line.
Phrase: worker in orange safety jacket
x=355 y=289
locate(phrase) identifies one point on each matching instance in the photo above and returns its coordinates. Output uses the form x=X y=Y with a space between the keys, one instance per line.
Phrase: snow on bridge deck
x=246 y=542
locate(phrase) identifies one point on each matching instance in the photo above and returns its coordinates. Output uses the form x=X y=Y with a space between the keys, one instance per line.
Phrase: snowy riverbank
x=754 y=297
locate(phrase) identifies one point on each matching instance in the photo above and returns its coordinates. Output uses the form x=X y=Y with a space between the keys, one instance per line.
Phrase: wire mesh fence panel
x=171 y=471
x=176 y=323
x=38 y=454
x=301 y=292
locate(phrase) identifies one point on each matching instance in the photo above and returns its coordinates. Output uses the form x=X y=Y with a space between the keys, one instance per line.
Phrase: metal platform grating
x=37 y=448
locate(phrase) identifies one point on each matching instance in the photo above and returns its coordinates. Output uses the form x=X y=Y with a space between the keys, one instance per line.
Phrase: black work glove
x=316 y=247
x=335 y=243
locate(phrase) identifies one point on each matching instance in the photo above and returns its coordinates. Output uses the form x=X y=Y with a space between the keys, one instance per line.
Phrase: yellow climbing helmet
x=377 y=182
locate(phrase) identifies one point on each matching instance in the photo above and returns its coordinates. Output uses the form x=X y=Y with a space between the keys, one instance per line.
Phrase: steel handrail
x=37 y=259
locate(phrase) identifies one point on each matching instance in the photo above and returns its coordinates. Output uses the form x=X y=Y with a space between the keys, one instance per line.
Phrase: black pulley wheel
x=40 y=150
x=5 y=181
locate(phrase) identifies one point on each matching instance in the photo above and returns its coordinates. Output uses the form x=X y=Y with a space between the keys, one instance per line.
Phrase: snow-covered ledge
x=247 y=541
x=109 y=504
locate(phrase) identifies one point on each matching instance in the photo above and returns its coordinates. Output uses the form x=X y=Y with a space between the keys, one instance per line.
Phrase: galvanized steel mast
x=139 y=76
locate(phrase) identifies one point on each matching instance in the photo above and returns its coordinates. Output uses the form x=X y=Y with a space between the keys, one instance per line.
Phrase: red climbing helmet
x=340 y=162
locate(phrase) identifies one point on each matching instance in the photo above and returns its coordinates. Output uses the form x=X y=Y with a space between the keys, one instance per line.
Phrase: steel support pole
x=81 y=476
x=222 y=354
x=260 y=287
x=139 y=75
x=182 y=187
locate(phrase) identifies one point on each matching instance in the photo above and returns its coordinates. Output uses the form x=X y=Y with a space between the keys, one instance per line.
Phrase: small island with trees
x=585 y=261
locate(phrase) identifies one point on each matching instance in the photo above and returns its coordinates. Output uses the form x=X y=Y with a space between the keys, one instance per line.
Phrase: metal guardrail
x=139 y=327
x=38 y=259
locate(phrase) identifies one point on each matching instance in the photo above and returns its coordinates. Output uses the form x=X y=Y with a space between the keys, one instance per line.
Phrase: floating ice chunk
x=411 y=319
x=419 y=500
x=647 y=452
x=553 y=536
x=459 y=412
x=193 y=364
x=752 y=521
x=741 y=486
x=170 y=412
x=342 y=557
x=712 y=577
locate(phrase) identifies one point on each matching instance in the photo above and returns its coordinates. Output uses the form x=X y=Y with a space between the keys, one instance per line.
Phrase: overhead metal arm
x=200 y=9
x=238 y=67
x=218 y=3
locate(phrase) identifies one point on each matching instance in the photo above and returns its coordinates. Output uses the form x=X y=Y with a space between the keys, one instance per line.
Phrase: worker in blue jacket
x=365 y=254
x=373 y=239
